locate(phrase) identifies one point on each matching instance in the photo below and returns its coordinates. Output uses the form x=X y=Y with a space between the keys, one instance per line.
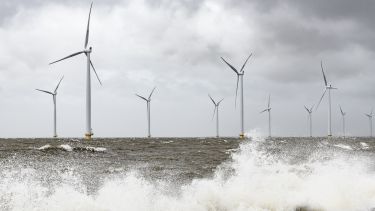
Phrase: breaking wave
x=254 y=179
x=68 y=148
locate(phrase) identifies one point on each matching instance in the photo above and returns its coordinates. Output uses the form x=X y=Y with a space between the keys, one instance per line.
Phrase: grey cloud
x=176 y=45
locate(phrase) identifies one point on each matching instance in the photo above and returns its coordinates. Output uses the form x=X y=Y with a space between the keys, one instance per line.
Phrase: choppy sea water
x=188 y=174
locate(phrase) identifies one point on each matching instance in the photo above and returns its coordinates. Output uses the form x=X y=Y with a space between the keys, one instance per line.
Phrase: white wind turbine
x=216 y=110
x=54 y=95
x=310 y=118
x=87 y=52
x=148 y=101
x=370 y=115
x=240 y=78
x=329 y=88
x=343 y=120
x=268 y=109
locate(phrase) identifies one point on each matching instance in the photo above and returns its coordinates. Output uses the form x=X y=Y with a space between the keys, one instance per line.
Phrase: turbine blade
x=213 y=101
x=244 y=64
x=93 y=68
x=307 y=109
x=342 y=113
x=214 y=113
x=269 y=101
x=235 y=100
x=321 y=98
x=141 y=97
x=234 y=69
x=149 y=97
x=88 y=28
x=264 y=110
x=311 y=109
x=74 y=54
x=220 y=102
x=58 y=84
x=44 y=91
x=324 y=76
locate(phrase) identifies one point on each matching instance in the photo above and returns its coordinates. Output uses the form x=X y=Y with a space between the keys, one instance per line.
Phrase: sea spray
x=277 y=174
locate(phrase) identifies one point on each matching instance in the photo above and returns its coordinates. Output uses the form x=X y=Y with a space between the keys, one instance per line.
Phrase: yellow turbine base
x=242 y=136
x=88 y=136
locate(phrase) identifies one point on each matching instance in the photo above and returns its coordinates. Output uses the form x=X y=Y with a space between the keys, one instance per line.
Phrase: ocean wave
x=364 y=145
x=91 y=149
x=257 y=181
x=68 y=148
x=343 y=146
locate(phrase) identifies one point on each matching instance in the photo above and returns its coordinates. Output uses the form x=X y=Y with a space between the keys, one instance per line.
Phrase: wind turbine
x=268 y=109
x=148 y=101
x=216 y=109
x=310 y=118
x=370 y=115
x=343 y=120
x=54 y=94
x=239 y=78
x=87 y=52
x=329 y=88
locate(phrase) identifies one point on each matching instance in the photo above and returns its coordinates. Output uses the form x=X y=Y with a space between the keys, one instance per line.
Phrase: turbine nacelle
x=267 y=109
x=239 y=73
x=88 y=50
x=327 y=86
x=309 y=110
x=330 y=87
x=216 y=104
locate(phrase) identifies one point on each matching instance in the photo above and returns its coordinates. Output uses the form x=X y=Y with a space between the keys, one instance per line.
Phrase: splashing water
x=277 y=174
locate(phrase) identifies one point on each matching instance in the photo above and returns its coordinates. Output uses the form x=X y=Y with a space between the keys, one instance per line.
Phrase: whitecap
x=47 y=146
x=66 y=147
x=343 y=146
x=364 y=145
x=93 y=149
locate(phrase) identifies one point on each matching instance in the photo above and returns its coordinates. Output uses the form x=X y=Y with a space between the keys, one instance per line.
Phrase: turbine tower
x=87 y=51
x=216 y=109
x=343 y=121
x=328 y=87
x=148 y=101
x=268 y=109
x=310 y=118
x=54 y=94
x=240 y=79
x=370 y=115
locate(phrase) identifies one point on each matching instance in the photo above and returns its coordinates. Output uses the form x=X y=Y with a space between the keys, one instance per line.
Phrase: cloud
x=176 y=46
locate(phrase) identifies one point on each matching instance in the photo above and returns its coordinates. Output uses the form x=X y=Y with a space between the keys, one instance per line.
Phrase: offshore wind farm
x=100 y=146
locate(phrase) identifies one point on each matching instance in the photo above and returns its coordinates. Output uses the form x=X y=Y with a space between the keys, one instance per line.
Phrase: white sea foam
x=343 y=146
x=364 y=145
x=66 y=147
x=259 y=182
x=95 y=149
x=47 y=146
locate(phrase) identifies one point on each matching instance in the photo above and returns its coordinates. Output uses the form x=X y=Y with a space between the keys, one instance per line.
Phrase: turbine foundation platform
x=242 y=136
x=88 y=136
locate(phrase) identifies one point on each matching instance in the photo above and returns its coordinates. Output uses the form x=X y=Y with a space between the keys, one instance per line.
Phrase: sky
x=176 y=46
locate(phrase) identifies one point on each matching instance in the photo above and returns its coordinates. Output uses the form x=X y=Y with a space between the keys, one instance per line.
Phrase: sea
x=188 y=174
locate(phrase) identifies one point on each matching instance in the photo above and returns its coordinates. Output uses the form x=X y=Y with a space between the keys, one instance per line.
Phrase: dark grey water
x=187 y=174
x=179 y=160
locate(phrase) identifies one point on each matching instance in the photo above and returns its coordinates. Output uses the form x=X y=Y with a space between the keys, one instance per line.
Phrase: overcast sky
x=176 y=46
